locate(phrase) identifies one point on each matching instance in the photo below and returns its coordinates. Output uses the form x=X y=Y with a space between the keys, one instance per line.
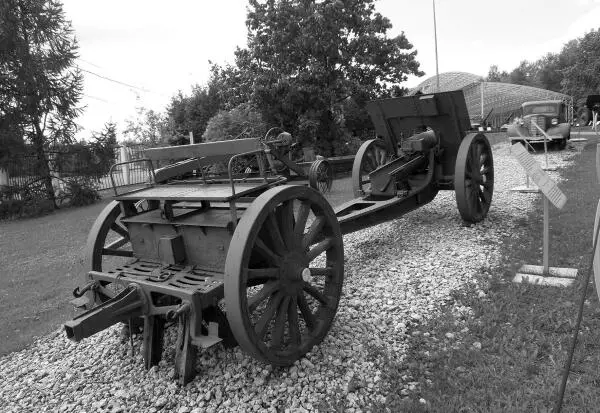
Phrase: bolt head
x=306 y=275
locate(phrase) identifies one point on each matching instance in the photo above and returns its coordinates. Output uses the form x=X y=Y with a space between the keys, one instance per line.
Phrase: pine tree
x=40 y=85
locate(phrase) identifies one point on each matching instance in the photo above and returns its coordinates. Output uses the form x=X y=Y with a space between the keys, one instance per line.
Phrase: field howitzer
x=259 y=262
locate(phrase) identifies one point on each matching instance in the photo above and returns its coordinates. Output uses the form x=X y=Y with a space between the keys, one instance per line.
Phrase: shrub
x=242 y=121
x=79 y=191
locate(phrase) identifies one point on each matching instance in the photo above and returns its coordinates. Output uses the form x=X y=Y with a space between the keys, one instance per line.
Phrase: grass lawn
x=514 y=344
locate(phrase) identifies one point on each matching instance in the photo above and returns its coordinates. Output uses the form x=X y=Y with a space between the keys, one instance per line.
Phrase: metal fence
x=21 y=172
x=134 y=173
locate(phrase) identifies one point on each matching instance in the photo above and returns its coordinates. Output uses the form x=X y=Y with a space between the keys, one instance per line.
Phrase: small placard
x=537 y=174
x=596 y=265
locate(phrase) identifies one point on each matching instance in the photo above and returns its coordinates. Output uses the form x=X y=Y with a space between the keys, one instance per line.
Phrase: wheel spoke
x=266 y=252
x=117 y=244
x=371 y=159
x=314 y=292
x=475 y=159
x=381 y=155
x=315 y=229
x=307 y=315
x=277 y=336
x=263 y=323
x=263 y=273
x=265 y=292
x=117 y=253
x=485 y=196
x=285 y=214
x=301 y=218
x=320 y=248
x=293 y=321
x=120 y=230
x=275 y=234
x=327 y=272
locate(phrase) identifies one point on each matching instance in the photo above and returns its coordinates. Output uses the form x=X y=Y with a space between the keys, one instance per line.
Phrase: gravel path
x=398 y=275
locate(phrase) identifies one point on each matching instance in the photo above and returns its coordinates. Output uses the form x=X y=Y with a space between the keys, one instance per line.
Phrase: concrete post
x=125 y=168
x=3 y=177
x=192 y=138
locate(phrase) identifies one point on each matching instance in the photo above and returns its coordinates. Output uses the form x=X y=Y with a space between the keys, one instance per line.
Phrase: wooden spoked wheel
x=371 y=155
x=320 y=176
x=474 y=178
x=108 y=244
x=284 y=274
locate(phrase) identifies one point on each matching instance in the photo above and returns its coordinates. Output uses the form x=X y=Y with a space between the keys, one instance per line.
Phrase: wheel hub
x=294 y=272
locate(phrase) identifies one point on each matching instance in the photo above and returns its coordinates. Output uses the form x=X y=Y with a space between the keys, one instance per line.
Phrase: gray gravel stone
x=398 y=275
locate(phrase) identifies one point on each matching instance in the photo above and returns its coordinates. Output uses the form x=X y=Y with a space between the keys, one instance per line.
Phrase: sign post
x=525 y=188
x=544 y=275
x=546 y=138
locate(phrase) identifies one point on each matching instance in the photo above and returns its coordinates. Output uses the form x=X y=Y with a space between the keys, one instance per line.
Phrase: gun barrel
x=129 y=303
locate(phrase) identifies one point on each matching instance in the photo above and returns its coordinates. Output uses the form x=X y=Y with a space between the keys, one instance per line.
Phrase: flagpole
x=437 y=72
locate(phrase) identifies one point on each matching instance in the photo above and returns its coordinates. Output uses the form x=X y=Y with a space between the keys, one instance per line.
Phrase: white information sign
x=539 y=176
x=597 y=252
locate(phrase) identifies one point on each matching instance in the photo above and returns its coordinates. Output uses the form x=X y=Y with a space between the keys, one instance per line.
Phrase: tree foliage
x=582 y=66
x=306 y=58
x=227 y=88
x=573 y=71
x=39 y=84
x=149 y=128
x=240 y=122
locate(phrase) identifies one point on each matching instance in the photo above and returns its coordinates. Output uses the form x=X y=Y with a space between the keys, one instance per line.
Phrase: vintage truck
x=547 y=117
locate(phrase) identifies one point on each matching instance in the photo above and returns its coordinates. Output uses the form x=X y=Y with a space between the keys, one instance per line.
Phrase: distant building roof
x=502 y=99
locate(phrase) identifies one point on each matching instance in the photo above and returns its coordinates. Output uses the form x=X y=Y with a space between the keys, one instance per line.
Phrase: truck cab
x=547 y=117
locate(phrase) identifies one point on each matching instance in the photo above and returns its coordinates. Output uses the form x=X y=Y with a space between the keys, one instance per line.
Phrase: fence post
x=125 y=170
x=3 y=177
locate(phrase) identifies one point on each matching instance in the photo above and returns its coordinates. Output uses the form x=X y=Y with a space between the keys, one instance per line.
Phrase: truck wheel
x=562 y=144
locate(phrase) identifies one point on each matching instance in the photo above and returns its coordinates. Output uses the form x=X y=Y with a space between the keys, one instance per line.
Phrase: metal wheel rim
x=265 y=257
x=321 y=176
x=474 y=178
x=371 y=155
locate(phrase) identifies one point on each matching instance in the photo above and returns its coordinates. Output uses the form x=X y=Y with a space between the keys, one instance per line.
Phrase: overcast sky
x=155 y=48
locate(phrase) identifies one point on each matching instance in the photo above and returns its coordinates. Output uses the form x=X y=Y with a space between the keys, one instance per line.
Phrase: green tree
x=526 y=74
x=149 y=128
x=305 y=58
x=240 y=122
x=495 y=75
x=11 y=142
x=191 y=114
x=102 y=146
x=582 y=65
x=227 y=88
x=550 y=73
x=39 y=84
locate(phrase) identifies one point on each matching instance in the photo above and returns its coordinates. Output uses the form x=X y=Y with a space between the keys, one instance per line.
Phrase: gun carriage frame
x=256 y=261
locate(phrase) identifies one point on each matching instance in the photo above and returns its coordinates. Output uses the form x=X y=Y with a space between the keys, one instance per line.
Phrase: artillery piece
x=257 y=257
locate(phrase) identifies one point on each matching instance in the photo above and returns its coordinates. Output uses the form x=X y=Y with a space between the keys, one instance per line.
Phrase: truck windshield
x=542 y=109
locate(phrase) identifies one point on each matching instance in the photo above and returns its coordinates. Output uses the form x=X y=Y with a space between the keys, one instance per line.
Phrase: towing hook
x=79 y=292
x=173 y=314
